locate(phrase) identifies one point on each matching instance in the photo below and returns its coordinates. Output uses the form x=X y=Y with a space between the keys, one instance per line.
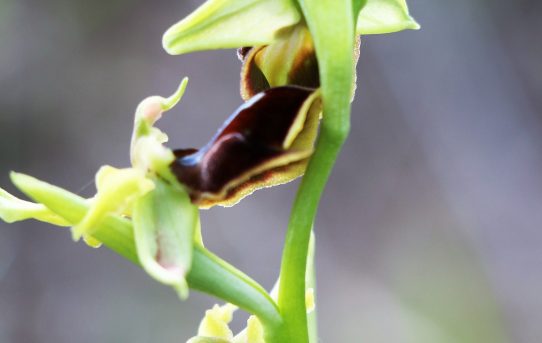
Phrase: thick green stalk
x=331 y=23
x=208 y=274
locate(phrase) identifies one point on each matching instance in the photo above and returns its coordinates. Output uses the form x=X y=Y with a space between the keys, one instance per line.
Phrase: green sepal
x=221 y=24
x=385 y=16
x=165 y=222
x=114 y=231
x=13 y=210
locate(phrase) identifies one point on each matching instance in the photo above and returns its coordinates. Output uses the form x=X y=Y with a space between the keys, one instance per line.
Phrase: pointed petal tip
x=174 y=99
x=385 y=16
x=414 y=25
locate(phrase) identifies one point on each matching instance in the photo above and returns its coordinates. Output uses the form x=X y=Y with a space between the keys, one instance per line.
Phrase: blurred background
x=430 y=228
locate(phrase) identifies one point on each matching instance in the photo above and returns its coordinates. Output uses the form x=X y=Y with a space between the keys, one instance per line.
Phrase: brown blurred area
x=430 y=230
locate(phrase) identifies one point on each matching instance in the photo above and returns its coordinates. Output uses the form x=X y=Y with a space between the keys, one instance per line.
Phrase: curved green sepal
x=385 y=16
x=222 y=24
x=164 y=224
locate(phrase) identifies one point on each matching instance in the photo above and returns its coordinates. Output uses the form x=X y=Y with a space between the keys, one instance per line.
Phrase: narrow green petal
x=385 y=16
x=222 y=24
x=174 y=99
x=164 y=225
x=151 y=108
x=147 y=152
x=13 y=209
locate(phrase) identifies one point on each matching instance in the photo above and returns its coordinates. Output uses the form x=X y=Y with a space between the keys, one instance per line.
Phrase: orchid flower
x=311 y=43
x=214 y=328
x=297 y=81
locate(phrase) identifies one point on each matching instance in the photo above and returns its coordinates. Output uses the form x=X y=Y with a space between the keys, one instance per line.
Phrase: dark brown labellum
x=257 y=141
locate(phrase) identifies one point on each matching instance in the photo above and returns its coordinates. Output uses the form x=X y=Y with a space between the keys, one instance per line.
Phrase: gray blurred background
x=430 y=229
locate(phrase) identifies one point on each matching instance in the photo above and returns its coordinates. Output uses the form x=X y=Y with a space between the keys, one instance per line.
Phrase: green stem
x=331 y=23
x=294 y=260
x=209 y=273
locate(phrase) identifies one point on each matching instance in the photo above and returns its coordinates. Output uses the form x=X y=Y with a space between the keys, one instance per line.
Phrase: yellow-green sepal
x=13 y=209
x=222 y=24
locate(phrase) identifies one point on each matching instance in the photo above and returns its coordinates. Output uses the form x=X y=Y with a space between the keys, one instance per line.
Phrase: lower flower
x=214 y=328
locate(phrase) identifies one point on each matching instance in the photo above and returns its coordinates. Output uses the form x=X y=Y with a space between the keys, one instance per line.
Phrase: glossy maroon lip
x=252 y=136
